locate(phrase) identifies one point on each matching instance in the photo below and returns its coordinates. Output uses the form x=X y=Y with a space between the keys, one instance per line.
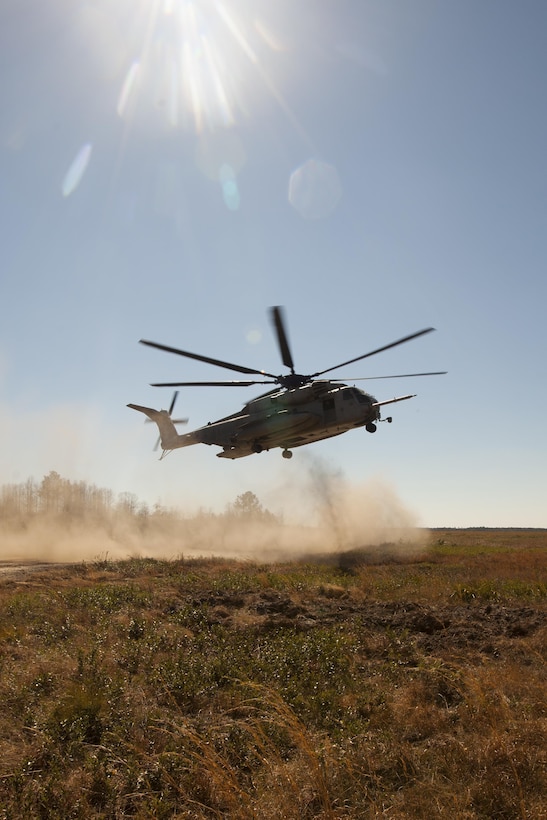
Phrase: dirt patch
x=491 y=628
x=14 y=568
x=442 y=630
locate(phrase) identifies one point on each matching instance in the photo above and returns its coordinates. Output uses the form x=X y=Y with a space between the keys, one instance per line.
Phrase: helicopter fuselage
x=280 y=418
x=291 y=418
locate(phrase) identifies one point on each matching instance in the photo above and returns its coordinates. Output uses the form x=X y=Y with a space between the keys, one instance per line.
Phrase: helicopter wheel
x=371 y=428
x=257 y=448
x=286 y=454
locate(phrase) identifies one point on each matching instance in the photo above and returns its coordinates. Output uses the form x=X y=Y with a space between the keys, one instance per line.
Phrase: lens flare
x=75 y=173
x=230 y=191
x=128 y=88
x=315 y=189
x=254 y=336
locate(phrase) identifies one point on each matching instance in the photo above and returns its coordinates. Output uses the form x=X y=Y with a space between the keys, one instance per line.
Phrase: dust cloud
x=316 y=513
x=344 y=516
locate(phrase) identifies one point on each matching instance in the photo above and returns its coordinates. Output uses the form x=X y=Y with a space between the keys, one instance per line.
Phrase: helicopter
x=299 y=410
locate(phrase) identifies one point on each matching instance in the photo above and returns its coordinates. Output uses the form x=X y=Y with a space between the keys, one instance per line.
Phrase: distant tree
x=18 y=501
x=248 y=508
x=128 y=503
x=52 y=492
x=29 y=493
x=143 y=515
x=247 y=504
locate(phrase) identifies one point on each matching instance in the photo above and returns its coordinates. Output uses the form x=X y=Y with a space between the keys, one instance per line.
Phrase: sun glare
x=191 y=64
x=203 y=67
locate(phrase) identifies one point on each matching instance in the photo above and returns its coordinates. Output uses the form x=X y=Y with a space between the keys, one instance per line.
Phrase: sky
x=170 y=169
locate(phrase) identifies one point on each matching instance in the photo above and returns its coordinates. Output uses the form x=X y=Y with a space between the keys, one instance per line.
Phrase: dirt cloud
x=315 y=512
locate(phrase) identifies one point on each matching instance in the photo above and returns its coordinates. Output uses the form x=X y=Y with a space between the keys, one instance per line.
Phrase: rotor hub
x=293 y=380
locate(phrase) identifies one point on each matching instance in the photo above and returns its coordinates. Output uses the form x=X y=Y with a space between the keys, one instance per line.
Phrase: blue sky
x=170 y=169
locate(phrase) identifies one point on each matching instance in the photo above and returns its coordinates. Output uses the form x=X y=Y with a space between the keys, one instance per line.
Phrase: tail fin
x=170 y=439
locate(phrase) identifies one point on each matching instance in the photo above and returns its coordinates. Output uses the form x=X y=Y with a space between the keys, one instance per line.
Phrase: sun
x=194 y=63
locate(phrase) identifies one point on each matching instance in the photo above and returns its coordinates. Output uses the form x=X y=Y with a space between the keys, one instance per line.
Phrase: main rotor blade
x=279 y=325
x=237 y=367
x=397 y=376
x=175 y=394
x=373 y=352
x=210 y=384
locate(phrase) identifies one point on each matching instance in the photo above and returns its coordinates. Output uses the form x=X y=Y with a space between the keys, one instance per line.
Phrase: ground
x=358 y=684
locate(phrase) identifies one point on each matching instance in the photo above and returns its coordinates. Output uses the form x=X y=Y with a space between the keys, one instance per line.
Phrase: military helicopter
x=299 y=410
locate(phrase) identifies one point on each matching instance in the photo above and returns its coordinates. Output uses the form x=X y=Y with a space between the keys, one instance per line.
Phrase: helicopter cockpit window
x=347 y=395
x=359 y=396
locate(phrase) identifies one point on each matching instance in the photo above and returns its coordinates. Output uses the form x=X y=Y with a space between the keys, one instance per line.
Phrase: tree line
x=66 y=500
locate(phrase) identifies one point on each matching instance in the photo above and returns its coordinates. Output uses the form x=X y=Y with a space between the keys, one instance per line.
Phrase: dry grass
x=214 y=689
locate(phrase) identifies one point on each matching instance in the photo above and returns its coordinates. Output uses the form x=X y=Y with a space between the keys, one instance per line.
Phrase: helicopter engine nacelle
x=306 y=393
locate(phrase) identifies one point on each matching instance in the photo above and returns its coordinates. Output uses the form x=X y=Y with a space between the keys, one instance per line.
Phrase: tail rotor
x=175 y=421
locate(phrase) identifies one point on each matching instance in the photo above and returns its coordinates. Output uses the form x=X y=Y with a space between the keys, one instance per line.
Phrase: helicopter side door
x=329 y=410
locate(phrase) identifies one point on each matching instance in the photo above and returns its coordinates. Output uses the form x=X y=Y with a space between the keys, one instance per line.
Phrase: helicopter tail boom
x=170 y=439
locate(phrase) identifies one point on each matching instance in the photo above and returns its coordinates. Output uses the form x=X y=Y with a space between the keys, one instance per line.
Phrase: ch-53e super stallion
x=299 y=410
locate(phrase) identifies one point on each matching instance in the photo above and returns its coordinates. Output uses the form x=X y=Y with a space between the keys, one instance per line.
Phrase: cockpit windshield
x=359 y=395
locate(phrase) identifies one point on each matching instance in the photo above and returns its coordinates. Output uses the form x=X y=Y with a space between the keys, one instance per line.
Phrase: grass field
x=359 y=685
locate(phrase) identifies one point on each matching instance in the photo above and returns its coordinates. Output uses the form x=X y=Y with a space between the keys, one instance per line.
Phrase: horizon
x=143 y=507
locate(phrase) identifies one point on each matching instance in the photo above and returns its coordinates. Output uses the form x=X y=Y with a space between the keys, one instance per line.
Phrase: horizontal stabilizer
x=148 y=411
x=170 y=439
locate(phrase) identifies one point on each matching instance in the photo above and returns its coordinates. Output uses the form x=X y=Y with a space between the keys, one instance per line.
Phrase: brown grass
x=360 y=687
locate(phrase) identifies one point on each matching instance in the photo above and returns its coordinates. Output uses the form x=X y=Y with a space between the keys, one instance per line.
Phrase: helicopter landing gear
x=257 y=448
x=286 y=454
x=370 y=427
